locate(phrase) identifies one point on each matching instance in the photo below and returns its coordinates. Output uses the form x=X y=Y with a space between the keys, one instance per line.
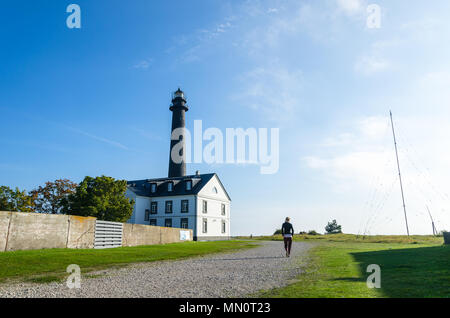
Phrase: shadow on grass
x=411 y=272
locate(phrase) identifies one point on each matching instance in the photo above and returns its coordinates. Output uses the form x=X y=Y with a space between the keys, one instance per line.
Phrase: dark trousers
x=288 y=244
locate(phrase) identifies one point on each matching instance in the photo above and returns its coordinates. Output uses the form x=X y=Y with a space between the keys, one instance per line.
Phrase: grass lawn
x=50 y=264
x=338 y=269
x=413 y=239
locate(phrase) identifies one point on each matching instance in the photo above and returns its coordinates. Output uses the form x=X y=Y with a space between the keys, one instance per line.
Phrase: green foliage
x=277 y=232
x=101 y=197
x=46 y=279
x=15 y=200
x=312 y=232
x=52 y=197
x=333 y=228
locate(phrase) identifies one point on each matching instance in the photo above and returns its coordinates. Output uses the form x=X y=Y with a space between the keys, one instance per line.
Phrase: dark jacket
x=287 y=228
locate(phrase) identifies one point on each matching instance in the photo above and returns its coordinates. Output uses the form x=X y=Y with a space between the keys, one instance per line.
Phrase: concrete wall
x=27 y=231
x=138 y=234
x=81 y=232
x=4 y=229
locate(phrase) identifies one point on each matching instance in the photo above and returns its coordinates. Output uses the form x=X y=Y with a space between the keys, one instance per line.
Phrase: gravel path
x=237 y=274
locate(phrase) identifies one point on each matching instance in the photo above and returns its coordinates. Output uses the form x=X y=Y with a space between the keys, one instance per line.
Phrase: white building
x=198 y=202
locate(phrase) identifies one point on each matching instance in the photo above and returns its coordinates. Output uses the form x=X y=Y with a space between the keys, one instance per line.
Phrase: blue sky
x=93 y=101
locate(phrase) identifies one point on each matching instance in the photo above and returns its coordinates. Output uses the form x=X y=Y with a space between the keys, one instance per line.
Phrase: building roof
x=143 y=187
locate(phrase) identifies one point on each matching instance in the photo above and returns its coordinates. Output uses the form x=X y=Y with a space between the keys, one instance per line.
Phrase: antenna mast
x=432 y=221
x=399 y=174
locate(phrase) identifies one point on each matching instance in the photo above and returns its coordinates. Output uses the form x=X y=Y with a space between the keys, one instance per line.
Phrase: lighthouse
x=178 y=108
x=198 y=202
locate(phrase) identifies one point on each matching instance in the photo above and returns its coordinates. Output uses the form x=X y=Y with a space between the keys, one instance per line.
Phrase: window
x=214 y=190
x=170 y=186
x=223 y=209
x=189 y=185
x=184 y=224
x=224 y=227
x=168 y=222
x=153 y=222
x=147 y=215
x=205 y=206
x=169 y=206
x=154 y=208
x=205 y=226
x=153 y=187
x=184 y=206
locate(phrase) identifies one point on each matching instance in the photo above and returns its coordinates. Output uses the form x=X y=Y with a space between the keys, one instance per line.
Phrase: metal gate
x=108 y=234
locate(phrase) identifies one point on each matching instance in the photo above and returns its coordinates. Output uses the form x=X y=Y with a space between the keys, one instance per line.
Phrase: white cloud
x=98 y=138
x=357 y=155
x=274 y=90
x=369 y=65
x=144 y=64
x=350 y=6
x=361 y=161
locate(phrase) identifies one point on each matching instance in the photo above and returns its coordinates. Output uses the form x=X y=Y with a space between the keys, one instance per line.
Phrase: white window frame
x=154 y=205
x=204 y=206
x=204 y=225
x=169 y=203
x=187 y=206
x=187 y=223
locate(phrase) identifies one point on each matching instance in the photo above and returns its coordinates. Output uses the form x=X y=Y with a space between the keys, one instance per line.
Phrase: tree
x=101 y=197
x=333 y=228
x=15 y=200
x=277 y=232
x=52 y=197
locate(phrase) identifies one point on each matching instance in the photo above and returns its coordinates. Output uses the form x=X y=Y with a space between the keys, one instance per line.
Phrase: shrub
x=333 y=228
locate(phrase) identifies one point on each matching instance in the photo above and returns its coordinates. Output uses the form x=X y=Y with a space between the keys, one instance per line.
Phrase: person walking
x=287 y=230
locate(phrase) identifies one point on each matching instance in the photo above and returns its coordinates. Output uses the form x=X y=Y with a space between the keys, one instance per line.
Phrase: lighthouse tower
x=178 y=108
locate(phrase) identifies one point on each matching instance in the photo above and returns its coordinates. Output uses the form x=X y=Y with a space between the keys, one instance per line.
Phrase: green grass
x=44 y=279
x=414 y=239
x=50 y=264
x=338 y=269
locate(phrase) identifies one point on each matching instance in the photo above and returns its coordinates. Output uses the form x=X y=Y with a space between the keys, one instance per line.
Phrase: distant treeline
x=101 y=197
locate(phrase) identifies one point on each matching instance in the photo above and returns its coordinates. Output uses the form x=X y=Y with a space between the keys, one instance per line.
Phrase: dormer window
x=189 y=185
x=153 y=187
x=170 y=186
